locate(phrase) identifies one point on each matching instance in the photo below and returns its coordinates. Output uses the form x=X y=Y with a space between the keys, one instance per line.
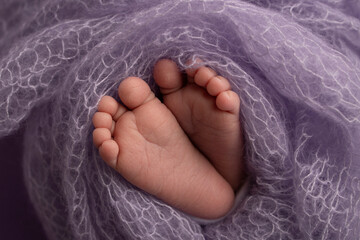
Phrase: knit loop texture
x=294 y=64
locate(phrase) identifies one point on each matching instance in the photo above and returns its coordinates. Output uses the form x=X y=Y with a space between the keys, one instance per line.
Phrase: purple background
x=18 y=219
x=294 y=63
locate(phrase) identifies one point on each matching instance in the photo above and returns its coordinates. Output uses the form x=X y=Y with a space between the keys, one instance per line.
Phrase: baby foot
x=208 y=111
x=145 y=144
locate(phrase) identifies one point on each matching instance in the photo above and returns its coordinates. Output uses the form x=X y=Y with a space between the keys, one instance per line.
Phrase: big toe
x=134 y=92
x=167 y=76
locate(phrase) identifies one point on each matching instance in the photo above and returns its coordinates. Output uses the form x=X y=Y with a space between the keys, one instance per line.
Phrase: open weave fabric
x=295 y=65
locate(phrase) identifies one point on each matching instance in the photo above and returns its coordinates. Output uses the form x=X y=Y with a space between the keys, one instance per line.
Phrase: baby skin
x=186 y=150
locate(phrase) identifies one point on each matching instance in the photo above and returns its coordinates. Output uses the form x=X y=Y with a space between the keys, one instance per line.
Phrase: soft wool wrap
x=295 y=65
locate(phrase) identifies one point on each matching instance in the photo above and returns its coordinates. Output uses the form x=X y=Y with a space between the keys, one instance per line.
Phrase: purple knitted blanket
x=295 y=65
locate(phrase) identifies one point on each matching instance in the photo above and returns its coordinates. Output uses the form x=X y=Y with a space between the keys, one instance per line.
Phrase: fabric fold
x=294 y=64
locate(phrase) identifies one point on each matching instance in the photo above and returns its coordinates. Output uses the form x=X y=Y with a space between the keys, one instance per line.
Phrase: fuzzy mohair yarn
x=294 y=64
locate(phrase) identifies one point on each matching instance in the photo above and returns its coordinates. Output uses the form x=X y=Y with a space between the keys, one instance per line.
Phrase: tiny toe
x=167 y=76
x=203 y=76
x=228 y=101
x=217 y=85
x=108 y=105
x=109 y=152
x=194 y=66
x=100 y=135
x=121 y=110
x=134 y=92
x=102 y=120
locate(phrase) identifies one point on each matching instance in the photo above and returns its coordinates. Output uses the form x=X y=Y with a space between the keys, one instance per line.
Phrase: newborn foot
x=144 y=142
x=208 y=111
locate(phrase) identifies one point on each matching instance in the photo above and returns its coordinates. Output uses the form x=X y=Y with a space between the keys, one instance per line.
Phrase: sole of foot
x=144 y=142
x=208 y=111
